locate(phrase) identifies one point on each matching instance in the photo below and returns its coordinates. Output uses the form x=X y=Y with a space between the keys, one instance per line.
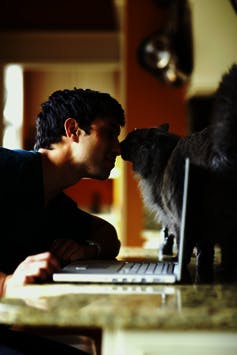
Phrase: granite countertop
x=191 y=307
x=158 y=307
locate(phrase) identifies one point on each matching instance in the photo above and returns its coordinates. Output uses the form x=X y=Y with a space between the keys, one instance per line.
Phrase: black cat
x=157 y=158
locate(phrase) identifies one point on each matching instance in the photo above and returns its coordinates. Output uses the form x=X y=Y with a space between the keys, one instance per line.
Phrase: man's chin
x=102 y=176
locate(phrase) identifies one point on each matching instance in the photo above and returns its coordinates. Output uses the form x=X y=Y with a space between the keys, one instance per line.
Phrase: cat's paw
x=167 y=247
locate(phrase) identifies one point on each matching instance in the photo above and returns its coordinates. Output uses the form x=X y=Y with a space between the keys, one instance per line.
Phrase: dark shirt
x=27 y=226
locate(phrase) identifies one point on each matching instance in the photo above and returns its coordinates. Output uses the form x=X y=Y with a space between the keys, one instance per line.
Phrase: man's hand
x=34 y=268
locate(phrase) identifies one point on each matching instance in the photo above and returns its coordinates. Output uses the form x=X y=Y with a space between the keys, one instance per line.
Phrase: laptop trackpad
x=92 y=266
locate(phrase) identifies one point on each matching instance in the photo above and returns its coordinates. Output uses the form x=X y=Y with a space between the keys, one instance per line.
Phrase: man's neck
x=57 y=173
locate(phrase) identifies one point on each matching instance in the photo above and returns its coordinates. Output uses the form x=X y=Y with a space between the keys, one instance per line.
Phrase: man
x=77 y=137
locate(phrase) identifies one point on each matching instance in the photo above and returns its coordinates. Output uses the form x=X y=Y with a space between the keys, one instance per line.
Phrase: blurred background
x=161 y=59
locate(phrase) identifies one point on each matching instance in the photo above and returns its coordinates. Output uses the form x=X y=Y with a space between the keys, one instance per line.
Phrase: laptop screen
x=183 y=219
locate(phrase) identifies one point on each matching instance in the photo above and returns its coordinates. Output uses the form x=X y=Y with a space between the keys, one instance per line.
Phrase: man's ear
x=71 y=128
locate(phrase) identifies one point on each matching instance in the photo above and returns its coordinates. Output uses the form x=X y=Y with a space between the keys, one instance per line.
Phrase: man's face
x=100 y=147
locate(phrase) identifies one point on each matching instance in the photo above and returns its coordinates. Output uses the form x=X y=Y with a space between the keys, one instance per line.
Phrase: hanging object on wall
x=168 y=53
x=234 y=4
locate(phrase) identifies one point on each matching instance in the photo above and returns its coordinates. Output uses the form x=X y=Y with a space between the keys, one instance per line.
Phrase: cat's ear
x=165 y=127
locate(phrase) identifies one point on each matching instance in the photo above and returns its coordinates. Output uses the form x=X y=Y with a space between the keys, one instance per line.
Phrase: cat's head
x=147 y=148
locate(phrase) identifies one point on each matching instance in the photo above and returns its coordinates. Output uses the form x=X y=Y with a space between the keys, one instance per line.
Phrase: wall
x=148 y=101
x=215 y=33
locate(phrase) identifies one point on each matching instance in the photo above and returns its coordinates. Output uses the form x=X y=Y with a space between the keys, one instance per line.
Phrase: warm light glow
x=13 y=109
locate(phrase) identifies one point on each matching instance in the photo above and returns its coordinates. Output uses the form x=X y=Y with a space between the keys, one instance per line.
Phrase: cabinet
x=153 y=342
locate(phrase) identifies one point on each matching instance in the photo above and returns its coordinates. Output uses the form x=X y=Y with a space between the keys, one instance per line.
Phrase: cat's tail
x=224 y=118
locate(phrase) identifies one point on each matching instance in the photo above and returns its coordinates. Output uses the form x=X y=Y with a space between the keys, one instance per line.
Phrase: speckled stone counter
x=141 y=307
x=136 y=308
x=156 y=307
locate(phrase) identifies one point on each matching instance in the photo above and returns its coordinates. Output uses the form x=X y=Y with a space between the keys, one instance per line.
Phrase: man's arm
x=103 y=234
x=101 y=242
x=80 y=234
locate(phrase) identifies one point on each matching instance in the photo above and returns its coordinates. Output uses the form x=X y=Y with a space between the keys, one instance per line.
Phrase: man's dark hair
x=84 y=105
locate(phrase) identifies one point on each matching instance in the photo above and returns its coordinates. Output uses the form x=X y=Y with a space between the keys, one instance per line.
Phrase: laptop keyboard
x=147 y=268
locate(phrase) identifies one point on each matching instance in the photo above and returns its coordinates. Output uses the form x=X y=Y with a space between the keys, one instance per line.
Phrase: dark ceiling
x=83 y=15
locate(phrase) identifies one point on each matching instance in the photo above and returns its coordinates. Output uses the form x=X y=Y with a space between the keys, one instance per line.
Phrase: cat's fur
x=157 y=158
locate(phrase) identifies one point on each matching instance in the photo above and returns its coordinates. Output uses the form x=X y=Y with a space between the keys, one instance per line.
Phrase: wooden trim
x=59 y=47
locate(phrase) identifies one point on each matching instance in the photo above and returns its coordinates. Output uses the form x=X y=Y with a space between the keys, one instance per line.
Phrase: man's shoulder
x=62 y=202
x=6 y=153
x=15 y=162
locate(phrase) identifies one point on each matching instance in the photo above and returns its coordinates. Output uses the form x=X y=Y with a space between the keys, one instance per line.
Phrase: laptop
x=130 y=272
